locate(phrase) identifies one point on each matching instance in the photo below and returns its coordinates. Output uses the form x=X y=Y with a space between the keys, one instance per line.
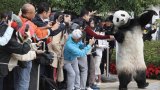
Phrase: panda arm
x=146 y=17
x=119 y=36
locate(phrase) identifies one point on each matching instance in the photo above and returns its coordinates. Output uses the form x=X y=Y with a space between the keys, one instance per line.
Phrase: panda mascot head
x=130 y=59
x=121 y=18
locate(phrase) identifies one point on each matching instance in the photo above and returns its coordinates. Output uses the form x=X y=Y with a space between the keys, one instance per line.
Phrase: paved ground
x=153 y=85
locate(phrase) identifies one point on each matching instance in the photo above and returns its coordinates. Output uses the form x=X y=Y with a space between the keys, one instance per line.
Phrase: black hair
x=3 y=16
x=84 y=12
x=6 y=14
x=43 y=6
x=90 y=20
x=56 y=15
x=109 y=18
x=97 y=19
x=67 y=12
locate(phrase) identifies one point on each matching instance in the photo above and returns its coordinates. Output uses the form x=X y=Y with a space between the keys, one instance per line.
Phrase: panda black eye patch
x=122 y=15
x=117 y=19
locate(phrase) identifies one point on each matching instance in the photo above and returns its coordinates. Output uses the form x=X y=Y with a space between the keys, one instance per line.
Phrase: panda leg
x=140 y=78
x=124 y=80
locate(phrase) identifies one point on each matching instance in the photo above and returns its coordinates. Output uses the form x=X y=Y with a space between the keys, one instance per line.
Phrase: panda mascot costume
x=130 y=57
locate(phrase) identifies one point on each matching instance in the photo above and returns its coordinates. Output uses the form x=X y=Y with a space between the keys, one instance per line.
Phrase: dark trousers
x=104 y=59
x=1 y=83
x=8 y=82
x=91 y=71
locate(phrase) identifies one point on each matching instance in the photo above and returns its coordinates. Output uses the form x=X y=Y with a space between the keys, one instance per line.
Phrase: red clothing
x=91 y=33
x=34 y=30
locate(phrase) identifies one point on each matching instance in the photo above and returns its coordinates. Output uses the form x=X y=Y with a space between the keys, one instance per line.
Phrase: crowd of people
x=44 y=49
x=41 y=49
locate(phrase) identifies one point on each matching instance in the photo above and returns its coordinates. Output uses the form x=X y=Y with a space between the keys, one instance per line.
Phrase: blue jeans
x=22 y=77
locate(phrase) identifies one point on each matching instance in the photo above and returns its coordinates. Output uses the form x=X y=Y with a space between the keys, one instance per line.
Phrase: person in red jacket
x=89 y=30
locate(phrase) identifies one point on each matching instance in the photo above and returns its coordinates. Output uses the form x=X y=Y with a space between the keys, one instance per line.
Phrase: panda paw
x=119 y=36
x=143 y=86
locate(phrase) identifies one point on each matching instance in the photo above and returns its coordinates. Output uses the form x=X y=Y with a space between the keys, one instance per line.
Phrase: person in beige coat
x=56 y=46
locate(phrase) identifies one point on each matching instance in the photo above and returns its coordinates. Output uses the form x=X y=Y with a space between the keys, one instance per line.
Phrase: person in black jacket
x=6 y=51
x=148 y=31
x=41 y=19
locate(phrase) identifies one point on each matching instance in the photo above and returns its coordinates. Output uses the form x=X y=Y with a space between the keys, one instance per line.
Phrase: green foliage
x=76 y=5
x=104 y=5
x=151 y=52
x=11 y=5
x=131 y=5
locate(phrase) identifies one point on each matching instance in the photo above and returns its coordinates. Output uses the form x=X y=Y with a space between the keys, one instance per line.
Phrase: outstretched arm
x=90 y=32
x=119 y=36
x=146 y=17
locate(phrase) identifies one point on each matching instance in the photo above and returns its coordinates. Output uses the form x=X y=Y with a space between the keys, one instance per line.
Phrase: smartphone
x=10 y=16
x=27 y=28
x=43 y=46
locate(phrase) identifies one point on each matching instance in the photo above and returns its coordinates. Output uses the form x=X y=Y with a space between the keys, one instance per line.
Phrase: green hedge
x=11 y=5
x=151 y=52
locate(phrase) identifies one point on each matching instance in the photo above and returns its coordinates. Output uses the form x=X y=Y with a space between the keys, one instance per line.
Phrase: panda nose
x=122 y=20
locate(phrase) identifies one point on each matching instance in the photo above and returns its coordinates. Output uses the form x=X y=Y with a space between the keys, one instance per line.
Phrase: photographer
x=148 y=31
x=91 y=68
x=11 y=47
x=42 y=20
x=57 y=44
x=108 y=29
x=7 y=31
x=74 y=48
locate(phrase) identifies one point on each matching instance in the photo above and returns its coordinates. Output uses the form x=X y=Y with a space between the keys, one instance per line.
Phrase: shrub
x=11 y=5
x=152 y=52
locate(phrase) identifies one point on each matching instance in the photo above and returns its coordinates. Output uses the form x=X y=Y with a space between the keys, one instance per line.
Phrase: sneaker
x=77 y=89
x=95 y=83
x=98 y=84
x=95 y=87
x=89 y=88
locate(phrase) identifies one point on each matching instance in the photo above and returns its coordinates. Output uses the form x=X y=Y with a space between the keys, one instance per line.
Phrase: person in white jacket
x=7 y=36
x=5 y=26
x=100 y=46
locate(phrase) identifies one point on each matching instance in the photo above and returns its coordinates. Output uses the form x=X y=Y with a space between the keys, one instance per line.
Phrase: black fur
x=146 y=17
x=119 y=36
x=140 y=78
x=124 y=80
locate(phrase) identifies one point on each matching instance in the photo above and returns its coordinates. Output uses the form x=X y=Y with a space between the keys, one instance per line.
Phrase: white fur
x=130 y=55
x=122 y=19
